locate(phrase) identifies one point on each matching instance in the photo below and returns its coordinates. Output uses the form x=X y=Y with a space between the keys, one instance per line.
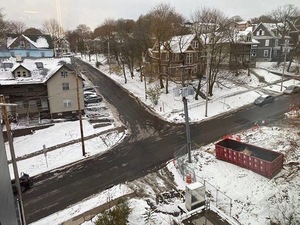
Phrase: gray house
x=271 y=46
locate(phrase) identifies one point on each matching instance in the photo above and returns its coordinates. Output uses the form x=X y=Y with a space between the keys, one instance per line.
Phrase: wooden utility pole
x=79 y=110
x=13 y=158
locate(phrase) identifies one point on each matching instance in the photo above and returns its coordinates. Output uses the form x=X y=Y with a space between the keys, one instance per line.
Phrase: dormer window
x=248 y=38
x=39 y=65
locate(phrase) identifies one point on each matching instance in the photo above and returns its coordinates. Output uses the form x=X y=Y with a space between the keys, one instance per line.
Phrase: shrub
x=116 y=215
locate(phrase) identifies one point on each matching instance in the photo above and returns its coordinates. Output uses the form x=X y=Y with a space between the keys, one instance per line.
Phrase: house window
x=44 y=104
x=18 y=74
x=24 y=74
x=22 y=44
x=65 y=86
x=260 y=32
x=266 y=53
x=276 y=42
x=267 y=43
x=195 y=44
x=249 y=38
x=189 y=58
x=64 y=73
x=67 y=103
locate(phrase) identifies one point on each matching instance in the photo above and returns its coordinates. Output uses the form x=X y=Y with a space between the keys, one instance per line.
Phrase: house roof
x=42 y=75
x=179 y=44
x=39 y=41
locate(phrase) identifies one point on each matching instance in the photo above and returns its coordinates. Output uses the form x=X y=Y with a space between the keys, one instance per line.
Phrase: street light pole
x=207 y=80
x=285 y=50
x=185 y=92
x=187 y=129
x=79 y=110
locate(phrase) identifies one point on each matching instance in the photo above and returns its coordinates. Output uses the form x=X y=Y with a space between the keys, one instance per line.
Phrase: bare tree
x=208 y=25
x=16 y=27
x=164 y=24
x=52 y=28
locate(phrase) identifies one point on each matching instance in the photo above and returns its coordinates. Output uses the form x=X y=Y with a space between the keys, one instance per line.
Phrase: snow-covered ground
x=255 y=198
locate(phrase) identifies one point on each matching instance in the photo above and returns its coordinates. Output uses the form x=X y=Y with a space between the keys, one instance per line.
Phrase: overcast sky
x=94 y=12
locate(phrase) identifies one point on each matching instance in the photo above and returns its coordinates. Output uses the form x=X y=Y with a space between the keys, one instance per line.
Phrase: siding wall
x=56 y=94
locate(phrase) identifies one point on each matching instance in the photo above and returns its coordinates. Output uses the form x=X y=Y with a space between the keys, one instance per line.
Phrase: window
x=65 y=86
x=27 y=54
x=64 y=73
x=44 y=104
x=276 y=42
x=267 y=43
x=24 y=74
x=260 y=32
x=18 y=74
x=67 y=103
x=195 y=44
x=266 y=53
x=22 y=44
x=249 y=38
x=275 y=53
x=189 y=58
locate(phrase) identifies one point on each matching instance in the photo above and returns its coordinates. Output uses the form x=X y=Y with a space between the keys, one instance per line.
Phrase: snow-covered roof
x=50 y=67
x=9 y=41
x=38 y=41
x=41 y=42
x=179 y=44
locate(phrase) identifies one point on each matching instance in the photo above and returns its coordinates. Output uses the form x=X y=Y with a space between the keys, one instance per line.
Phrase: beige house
x=41 y=89
x=62 y=92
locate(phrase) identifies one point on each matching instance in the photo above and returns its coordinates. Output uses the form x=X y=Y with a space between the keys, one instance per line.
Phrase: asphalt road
x=150 y=144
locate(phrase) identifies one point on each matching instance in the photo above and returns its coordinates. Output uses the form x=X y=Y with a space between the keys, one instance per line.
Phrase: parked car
x=87 y=93
x=87 y=88
x=89 y=99
x=292 y=89
x=25 y=183
x=262 y=100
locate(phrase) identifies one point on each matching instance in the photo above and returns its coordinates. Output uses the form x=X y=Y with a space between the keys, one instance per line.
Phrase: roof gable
x=38 y=41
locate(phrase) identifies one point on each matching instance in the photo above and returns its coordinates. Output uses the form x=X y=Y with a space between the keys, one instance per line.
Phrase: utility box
x=194 y=196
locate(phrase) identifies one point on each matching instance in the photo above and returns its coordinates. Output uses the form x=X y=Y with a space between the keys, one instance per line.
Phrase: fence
x=215 y=196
